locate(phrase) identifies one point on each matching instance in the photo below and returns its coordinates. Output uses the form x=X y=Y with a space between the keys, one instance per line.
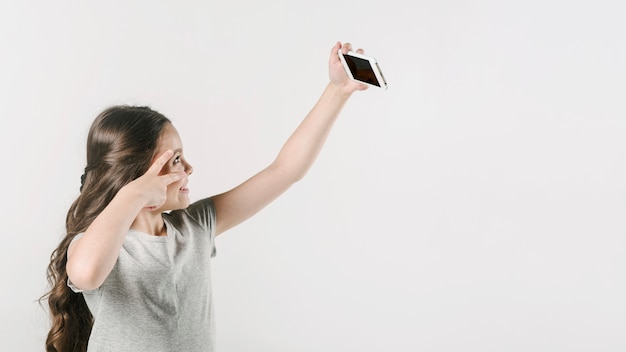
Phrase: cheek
x=174 y=187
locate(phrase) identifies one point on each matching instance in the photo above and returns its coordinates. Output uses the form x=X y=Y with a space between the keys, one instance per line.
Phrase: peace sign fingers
x=152 y=186
x=158 y=164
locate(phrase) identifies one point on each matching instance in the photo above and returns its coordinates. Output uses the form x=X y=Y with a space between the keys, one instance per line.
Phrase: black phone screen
x=361 y=70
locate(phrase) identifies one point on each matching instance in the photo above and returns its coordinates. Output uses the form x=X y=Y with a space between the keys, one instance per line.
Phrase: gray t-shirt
x=158 y=296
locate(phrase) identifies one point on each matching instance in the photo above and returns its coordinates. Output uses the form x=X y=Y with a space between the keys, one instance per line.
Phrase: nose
x=188 y=168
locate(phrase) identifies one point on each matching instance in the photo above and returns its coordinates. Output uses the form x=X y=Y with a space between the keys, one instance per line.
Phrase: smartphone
x=363 y=69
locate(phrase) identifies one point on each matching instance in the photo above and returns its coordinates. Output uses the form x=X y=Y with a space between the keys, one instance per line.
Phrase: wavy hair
x=121 y=143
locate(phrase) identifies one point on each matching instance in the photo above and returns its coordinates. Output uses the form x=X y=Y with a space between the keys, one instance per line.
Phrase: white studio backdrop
x=476 y=205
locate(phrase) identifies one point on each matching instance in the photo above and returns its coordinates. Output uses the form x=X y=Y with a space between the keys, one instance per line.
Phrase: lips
x=184 y=188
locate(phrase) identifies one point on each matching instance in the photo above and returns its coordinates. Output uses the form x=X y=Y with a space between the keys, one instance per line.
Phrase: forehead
x=169 y=139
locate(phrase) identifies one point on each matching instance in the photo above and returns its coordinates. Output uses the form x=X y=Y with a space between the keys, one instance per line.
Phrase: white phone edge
x=373 y=62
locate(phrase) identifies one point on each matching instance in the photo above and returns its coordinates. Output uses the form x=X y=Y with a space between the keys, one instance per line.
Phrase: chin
x=184 y=204
x=181 y=206
x=177 y=206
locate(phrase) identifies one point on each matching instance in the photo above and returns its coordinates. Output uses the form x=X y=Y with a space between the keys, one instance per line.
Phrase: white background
x=476 y=205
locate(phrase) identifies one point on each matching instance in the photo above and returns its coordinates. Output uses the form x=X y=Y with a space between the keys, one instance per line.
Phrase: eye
x=176 y=160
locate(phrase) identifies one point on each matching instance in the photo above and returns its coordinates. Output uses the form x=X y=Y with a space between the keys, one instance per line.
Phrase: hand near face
x=152 y=186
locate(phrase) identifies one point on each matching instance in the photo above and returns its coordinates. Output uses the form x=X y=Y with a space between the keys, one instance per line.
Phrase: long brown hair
x=120 y=146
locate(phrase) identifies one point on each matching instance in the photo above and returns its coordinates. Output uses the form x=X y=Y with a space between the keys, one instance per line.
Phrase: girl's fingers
x=334 y=53
x=171 y=178
x=335 y=49
x=346 y=47
x=157 y=165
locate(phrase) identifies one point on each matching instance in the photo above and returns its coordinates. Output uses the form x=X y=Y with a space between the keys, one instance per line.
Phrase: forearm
x=301 y=149
x=93 y=256
x=293 y=161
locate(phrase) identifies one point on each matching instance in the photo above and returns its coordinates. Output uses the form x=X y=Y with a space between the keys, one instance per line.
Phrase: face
x=177 y=192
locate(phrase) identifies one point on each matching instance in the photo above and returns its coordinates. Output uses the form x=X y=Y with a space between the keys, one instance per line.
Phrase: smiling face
x=177 y=192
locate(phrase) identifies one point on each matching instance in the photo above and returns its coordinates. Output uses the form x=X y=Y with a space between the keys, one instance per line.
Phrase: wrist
x=132 y=196
x=342 y=91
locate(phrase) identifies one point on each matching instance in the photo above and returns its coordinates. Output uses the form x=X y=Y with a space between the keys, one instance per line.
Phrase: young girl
x=129 y=276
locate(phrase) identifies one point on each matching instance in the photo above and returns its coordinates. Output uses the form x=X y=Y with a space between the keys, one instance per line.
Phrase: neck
x=150 y=222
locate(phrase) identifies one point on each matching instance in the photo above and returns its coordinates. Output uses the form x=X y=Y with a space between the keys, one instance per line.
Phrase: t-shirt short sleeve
x=199 y=215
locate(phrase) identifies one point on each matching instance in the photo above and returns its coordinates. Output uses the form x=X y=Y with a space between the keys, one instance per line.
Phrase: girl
x=133 y=271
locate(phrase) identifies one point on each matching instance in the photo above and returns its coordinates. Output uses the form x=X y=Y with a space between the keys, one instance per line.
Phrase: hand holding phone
x=363 y=69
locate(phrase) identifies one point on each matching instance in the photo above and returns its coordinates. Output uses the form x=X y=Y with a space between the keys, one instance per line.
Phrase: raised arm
x=297 y=154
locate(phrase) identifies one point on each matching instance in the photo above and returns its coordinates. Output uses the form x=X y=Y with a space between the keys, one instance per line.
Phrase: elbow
x=288 y=173
x=82 y=277
x=297 y=176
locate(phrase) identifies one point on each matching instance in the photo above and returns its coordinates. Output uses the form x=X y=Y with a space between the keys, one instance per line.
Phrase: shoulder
x=198 y=214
